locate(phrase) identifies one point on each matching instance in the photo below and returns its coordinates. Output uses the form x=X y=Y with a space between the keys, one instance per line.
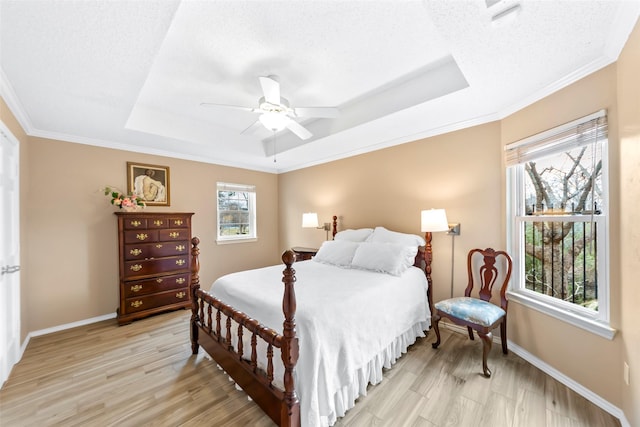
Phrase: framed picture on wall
x=149 y=182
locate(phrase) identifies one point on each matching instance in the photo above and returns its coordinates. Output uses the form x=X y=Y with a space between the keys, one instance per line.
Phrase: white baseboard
x=62 y=328
x=555 y=374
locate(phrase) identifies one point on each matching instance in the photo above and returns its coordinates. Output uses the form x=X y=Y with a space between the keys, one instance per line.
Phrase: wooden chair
x=478 y=313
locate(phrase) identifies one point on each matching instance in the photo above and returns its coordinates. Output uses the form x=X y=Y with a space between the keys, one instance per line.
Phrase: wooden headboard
x=334 y=227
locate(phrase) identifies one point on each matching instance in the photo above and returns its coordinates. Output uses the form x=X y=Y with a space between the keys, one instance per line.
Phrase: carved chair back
x=490 y=270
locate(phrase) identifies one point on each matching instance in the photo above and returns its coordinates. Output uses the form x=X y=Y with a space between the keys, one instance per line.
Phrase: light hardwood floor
x=144 y=374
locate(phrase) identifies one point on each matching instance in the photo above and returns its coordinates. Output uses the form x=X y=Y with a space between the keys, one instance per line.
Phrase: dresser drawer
x=140 y=236
x=172 y=234
x=154 y=266
x=179 y=222
x=147 y=302
x=134 y=223
x=155 y=250
x=159 y=284
x=158 y=223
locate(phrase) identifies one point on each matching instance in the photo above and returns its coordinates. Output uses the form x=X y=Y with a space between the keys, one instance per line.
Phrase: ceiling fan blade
x=232 y=107
x=324 y=112
x=270 y=89
x=298 y=129
x=252 y=128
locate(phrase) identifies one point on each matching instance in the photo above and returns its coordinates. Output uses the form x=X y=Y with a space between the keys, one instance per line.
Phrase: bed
x=304 y=343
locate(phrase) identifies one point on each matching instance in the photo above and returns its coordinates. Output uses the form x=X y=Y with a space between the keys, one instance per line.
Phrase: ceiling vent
x=503 y=12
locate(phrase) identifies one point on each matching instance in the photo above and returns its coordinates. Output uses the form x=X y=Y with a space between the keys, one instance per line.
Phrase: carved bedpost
x=334 y=227
x=428 y=258
x=290 y=416
x=194 y=286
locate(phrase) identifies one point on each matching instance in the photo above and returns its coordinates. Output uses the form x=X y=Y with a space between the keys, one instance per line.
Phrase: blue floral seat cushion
x=472 y=310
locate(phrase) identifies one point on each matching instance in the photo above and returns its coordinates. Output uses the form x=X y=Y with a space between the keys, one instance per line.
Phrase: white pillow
x=359 y=235
x=387 y=258
x=336 y=252
x=382 y=235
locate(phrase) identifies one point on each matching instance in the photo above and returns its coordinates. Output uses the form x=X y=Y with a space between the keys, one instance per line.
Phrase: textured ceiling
x=132 y=74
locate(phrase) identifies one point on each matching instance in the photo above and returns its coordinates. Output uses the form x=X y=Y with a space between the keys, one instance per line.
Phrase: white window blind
x=580 y=132
x=224 y=186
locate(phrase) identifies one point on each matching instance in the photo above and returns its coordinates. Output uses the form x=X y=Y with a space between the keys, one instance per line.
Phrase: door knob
x=8 y=269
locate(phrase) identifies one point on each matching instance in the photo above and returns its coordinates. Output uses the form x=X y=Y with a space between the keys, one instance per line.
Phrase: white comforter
x=350 y=324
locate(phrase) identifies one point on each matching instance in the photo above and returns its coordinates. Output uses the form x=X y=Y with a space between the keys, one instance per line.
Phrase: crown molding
x=8 y=94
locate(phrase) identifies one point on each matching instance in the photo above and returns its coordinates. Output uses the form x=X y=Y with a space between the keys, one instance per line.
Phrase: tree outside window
x=561 y=251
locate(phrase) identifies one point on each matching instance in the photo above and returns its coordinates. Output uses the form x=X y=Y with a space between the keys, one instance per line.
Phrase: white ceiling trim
x=20 y=114
x=12 y=101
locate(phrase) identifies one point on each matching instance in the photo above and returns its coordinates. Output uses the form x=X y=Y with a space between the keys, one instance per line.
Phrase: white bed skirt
x=372 y=373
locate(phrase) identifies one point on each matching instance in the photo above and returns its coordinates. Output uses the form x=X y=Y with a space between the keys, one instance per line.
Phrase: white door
x=9 y=253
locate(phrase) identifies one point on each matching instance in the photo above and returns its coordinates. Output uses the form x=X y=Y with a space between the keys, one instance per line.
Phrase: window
x=558 y=225
x=236 y=213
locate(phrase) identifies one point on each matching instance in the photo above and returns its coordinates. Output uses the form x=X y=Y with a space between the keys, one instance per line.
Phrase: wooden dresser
x=155 y=260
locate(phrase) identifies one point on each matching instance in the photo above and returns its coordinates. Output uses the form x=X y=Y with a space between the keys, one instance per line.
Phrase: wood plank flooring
x=143 y=374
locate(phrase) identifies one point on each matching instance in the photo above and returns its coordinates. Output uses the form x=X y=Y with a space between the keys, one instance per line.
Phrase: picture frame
x=149 y=182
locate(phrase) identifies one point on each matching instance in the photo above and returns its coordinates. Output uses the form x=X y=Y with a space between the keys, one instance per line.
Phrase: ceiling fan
x=276 y=113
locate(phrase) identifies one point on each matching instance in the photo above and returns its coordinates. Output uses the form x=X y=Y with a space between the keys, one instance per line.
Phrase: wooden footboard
x=210 y=331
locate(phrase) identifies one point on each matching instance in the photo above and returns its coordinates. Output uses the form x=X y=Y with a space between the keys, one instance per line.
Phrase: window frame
x=252 y=236
x=590 y=320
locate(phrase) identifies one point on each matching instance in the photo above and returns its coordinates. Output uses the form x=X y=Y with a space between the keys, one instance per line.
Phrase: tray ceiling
x=132 y=74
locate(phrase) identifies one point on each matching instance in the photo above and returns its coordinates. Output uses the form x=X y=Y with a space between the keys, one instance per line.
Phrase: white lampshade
x=434 y=220
x=274 y=121
x=310 y=220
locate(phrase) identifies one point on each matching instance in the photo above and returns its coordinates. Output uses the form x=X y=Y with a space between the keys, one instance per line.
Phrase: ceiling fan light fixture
x=274 y=121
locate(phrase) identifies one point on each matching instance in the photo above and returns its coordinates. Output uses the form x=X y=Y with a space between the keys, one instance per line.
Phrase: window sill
x=239 y=240
x=590 y=325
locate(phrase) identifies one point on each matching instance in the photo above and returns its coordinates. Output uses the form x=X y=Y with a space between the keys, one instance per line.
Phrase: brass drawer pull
x=180 y=248
x=136 y=304
x=158 y=222
x=135 y=223
x=135 y=251
x=159 y=245
x=180 y=262
x=180 y=280
x=174 y=234
x=159 y=280
x=142 y=236
x=136 y=267
x=178 y=222
x=136 y=288
x=180 y=295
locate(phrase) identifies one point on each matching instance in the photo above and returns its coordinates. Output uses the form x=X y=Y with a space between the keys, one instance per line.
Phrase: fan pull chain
x=275 y=151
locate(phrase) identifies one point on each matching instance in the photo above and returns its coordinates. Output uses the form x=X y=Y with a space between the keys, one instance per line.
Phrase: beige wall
x=459 y=171
x=69 y=240
x=628 y=217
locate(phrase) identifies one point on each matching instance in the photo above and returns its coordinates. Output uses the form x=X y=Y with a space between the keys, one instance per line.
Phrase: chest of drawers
x=155 y=260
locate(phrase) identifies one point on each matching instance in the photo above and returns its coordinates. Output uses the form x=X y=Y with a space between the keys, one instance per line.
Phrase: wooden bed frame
x=211 y=332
